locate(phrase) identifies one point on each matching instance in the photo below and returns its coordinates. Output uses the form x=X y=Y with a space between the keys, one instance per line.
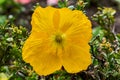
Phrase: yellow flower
x=59 y=37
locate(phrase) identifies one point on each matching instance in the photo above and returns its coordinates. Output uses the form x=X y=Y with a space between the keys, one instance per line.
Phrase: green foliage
x=105 y=54
x=6 y=6
x=11 y=64
x=105 y=17
x=105 y=47
x=62 y=3
x=9 y=10
x=3 y=19
x=2 y=1
x=80 y=5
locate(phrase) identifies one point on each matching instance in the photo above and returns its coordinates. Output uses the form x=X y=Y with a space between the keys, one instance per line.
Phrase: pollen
x=58 y=39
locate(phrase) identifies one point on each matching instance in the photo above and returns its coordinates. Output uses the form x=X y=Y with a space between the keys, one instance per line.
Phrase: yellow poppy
x=59 y=37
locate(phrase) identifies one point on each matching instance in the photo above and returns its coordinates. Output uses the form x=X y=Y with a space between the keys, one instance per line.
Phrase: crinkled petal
x=74 y=23
x=56 y=19
x=42 y=19
x=77 y=29
x=76 y=58
x=66 y=17
x=42 y=56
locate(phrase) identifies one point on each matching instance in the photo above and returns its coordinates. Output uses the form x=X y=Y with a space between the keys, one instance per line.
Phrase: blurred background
x=20 y=11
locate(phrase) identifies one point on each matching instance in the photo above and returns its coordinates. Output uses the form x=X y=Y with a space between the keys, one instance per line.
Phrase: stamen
x=58 y=39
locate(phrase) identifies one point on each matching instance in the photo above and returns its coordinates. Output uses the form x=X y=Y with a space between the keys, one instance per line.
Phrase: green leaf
x=96 y=31
x=2 y=19
x=95 y=62
x=2 y=1
x=62 y=4
x=118 y=61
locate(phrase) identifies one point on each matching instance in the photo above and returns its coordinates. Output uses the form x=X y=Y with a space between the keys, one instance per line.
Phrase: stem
x=42 y=78
x=113 y=29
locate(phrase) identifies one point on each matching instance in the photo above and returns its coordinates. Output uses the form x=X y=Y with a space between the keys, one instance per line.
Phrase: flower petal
x=76 y=58
x=66 y=16
x=42 y=19
x=56 y=19
x=75 y=22
x=41 y=54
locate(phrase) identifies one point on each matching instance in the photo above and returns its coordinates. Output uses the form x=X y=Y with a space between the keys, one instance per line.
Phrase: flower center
x=58 y=39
